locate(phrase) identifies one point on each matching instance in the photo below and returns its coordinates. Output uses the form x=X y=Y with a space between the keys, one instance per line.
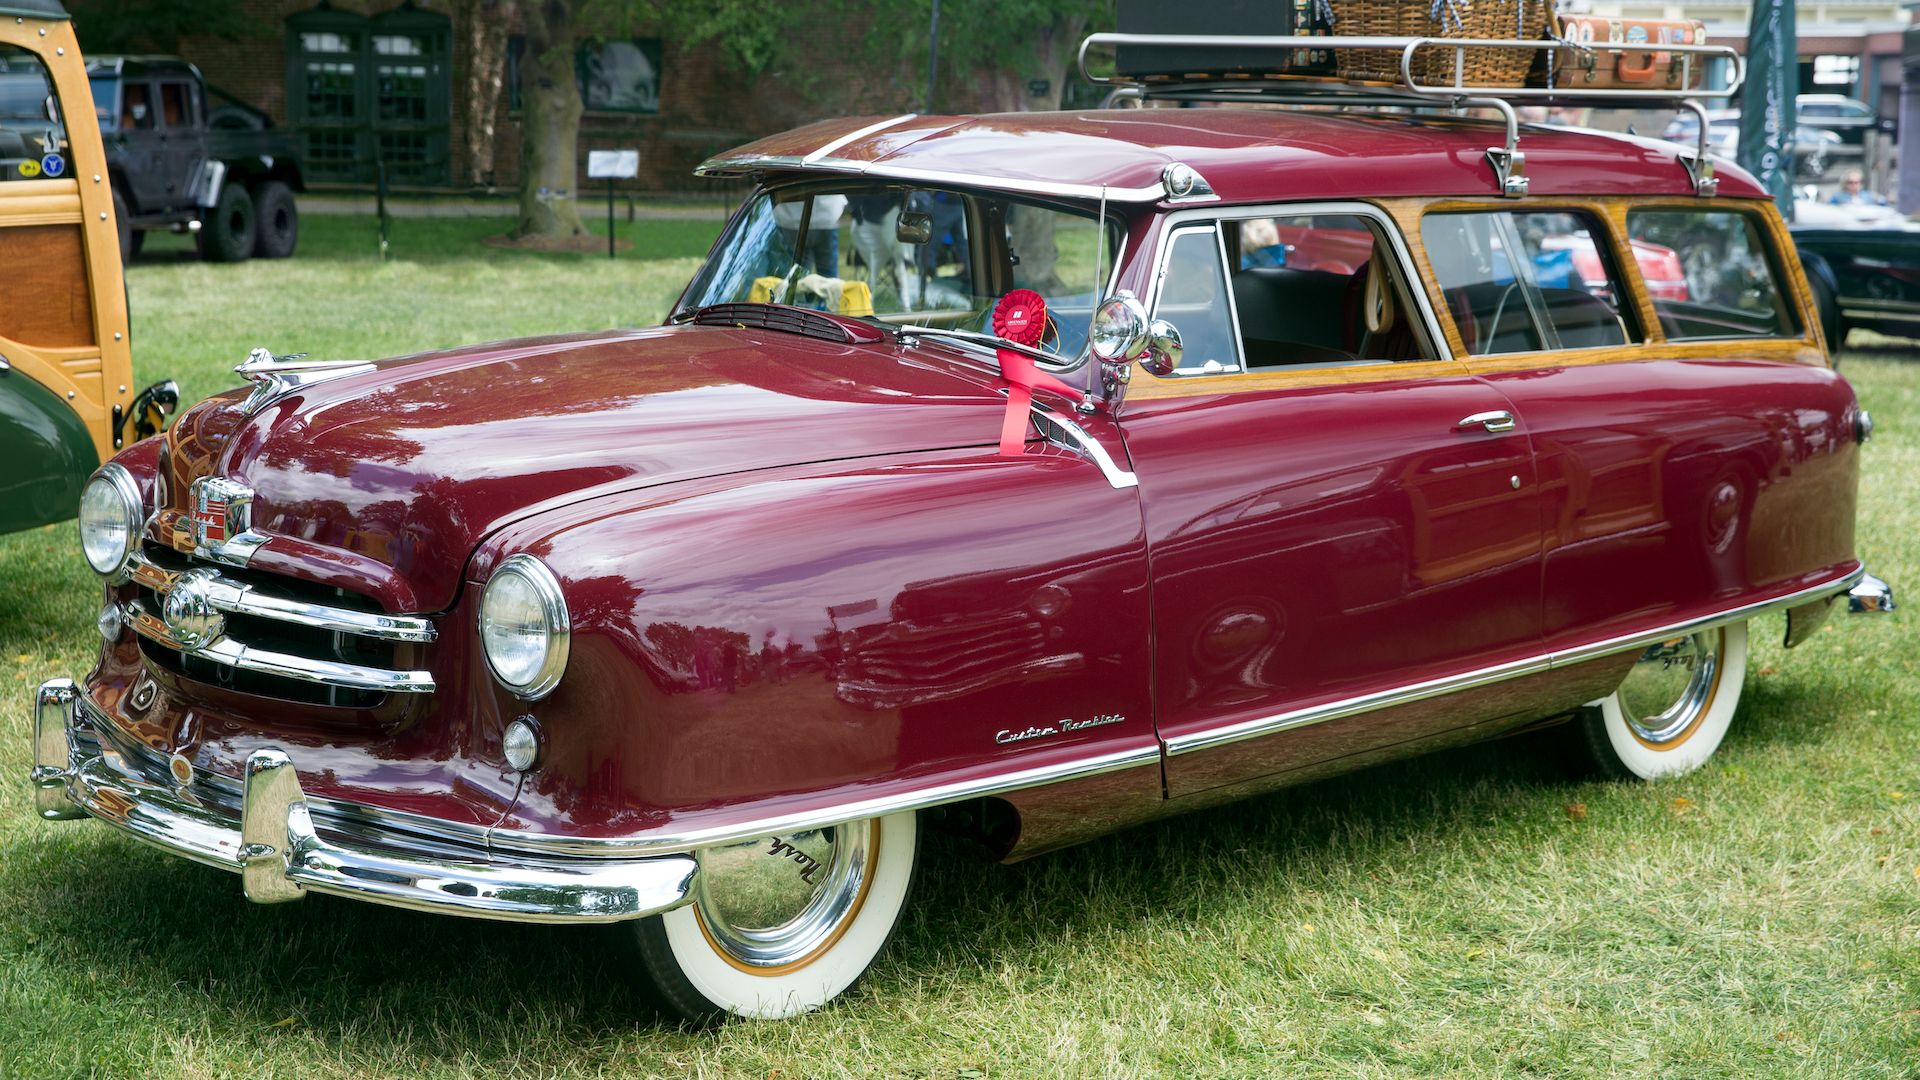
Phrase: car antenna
x=1099 y=286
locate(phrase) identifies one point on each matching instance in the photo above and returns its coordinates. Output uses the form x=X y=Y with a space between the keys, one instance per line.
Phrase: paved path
x=472 y=206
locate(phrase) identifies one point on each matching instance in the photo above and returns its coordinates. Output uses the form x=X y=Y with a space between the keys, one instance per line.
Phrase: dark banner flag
x=1766 y=101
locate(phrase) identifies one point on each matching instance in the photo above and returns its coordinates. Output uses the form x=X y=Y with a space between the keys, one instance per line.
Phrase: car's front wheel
x=1673 y=708
x=782 y=924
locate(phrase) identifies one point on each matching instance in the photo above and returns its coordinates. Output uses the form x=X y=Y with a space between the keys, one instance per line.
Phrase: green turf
x=1470 y=914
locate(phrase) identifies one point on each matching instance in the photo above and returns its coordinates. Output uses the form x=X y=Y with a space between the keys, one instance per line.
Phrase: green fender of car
x=48 y=454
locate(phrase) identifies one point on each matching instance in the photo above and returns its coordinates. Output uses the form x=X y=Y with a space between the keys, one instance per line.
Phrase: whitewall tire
x=1673 y=708
x=783 y=924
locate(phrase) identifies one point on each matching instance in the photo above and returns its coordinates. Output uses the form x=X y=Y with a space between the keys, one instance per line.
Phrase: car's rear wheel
x=279 y=220
x=227 y=233
x=782 y=924
x=1672 y=709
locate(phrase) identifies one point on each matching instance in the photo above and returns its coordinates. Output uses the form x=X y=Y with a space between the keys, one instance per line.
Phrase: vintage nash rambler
x=1027 y=476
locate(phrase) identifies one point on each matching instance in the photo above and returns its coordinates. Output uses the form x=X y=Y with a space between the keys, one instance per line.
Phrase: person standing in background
x=822 y=255
x=1853 y=192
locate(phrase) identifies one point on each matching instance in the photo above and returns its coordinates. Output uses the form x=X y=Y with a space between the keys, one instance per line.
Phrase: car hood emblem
x=219 y=511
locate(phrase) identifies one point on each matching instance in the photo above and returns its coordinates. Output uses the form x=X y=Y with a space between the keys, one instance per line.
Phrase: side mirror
x=52 y=107
x=1162 y=355
x=915 y=227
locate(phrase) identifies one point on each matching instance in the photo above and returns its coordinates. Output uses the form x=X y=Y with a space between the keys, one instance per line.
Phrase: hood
x=413 y=464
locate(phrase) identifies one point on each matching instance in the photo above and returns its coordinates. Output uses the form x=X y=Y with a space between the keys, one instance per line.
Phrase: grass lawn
x=1470 y=914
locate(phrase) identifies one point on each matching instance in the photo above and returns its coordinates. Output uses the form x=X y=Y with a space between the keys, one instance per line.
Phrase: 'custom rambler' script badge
x=1008 y=736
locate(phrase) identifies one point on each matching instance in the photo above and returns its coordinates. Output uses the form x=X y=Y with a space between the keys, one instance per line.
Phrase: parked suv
x=224 y=175
x=1021 y=476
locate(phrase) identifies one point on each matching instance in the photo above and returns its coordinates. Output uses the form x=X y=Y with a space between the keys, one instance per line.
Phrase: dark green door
x=48 y=454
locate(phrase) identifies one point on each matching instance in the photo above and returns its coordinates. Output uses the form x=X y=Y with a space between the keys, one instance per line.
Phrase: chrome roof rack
x=1508 y=161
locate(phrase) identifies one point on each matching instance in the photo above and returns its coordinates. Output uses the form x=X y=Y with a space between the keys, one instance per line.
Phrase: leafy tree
x=995 y=55
x=550 y=89
x=114 y=26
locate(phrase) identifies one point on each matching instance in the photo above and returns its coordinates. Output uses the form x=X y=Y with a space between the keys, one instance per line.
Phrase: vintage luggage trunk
x=1243 y=18
x=1655 y=69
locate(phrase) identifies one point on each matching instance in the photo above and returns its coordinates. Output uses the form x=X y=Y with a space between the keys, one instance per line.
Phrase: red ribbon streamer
x=1021 y=317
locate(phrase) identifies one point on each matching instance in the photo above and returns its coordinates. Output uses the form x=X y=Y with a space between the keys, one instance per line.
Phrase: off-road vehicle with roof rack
x=1021 y=476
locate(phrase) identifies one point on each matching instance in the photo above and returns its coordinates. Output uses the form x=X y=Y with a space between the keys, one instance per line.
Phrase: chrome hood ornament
x=274 y=376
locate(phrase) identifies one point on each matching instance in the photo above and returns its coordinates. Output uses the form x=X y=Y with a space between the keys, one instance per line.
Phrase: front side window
x=1722 y=280
x=1525 y=282
x=910 y=255
x=1193 y=297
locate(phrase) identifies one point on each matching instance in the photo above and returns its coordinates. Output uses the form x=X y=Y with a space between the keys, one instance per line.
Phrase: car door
x=140 y=145
x=183 y=145
x=1662 y=463
x=1331 y=521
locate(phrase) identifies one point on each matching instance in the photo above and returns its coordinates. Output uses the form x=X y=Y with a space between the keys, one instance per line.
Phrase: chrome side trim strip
x=225 y=650
x=1070 y=436
x=1533 y=665
x=1154 y=192
x=853 y=136
x=856 y=810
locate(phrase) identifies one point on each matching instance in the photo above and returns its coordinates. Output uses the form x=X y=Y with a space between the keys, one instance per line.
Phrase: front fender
x=795 y=639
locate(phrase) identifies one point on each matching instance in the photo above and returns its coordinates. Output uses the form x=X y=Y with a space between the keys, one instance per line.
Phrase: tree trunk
x=486 y=23
x=1031 y=234
x=550 y=128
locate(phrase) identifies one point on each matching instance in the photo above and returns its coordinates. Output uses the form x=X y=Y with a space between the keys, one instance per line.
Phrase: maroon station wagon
x=1026 y=476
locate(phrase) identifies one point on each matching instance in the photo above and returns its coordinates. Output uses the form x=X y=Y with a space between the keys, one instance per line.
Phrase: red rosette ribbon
x=1021 y=317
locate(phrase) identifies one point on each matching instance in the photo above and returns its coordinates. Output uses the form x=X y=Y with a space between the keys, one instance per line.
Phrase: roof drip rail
x=1508 y=162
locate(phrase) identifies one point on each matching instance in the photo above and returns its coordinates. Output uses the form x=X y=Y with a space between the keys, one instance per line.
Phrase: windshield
x=905 y=255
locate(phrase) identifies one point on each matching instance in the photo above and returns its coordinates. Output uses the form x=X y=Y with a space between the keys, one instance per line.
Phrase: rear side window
x=1562 y=290
x=1716 y=277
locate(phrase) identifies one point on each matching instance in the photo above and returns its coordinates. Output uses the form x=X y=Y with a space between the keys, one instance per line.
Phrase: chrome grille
x=270 y=635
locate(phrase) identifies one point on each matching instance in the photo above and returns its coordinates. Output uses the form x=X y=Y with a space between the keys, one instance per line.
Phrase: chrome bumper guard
x=1871 y=597
x=279 y=856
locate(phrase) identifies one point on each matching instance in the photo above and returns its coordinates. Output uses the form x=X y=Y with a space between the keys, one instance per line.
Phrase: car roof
x=43 y=9
x=136 y=66
x=1244 y=154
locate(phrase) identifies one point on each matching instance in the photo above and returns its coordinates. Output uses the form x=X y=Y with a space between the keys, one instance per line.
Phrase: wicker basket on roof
x=1524 y=20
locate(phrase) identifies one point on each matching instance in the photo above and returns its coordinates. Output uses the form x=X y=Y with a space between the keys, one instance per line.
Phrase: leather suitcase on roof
x=1655 y=69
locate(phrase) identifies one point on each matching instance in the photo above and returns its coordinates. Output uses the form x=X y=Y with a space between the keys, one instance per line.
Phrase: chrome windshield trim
x=225 y=650
x=1533 y=665
x=243 y=599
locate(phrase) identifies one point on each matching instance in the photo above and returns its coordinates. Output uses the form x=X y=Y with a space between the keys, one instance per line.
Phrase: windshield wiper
x=906 y=330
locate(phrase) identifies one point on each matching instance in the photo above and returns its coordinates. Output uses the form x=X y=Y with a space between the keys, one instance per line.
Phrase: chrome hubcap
x=778 y=900
x=1670 y=688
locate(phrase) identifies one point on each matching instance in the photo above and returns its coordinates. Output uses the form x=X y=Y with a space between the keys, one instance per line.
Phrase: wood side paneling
x=47 y=299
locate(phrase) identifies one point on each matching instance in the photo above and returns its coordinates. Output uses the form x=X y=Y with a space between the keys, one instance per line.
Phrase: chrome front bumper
x=273 y=845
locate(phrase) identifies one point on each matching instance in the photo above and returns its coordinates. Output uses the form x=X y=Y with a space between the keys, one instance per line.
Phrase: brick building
x=368 y=81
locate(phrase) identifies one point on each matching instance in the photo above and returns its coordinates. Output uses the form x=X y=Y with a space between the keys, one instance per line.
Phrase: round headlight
x=109 y=520
x=524 y=627
x=1119 y=329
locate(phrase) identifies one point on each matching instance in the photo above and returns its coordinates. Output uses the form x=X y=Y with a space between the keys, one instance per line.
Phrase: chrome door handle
x=1496 y=421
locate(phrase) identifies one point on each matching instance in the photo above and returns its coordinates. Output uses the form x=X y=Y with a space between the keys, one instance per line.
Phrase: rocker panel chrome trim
x=1404 y=695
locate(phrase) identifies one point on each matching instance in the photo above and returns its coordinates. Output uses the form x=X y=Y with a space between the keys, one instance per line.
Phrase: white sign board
x=613 y=164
